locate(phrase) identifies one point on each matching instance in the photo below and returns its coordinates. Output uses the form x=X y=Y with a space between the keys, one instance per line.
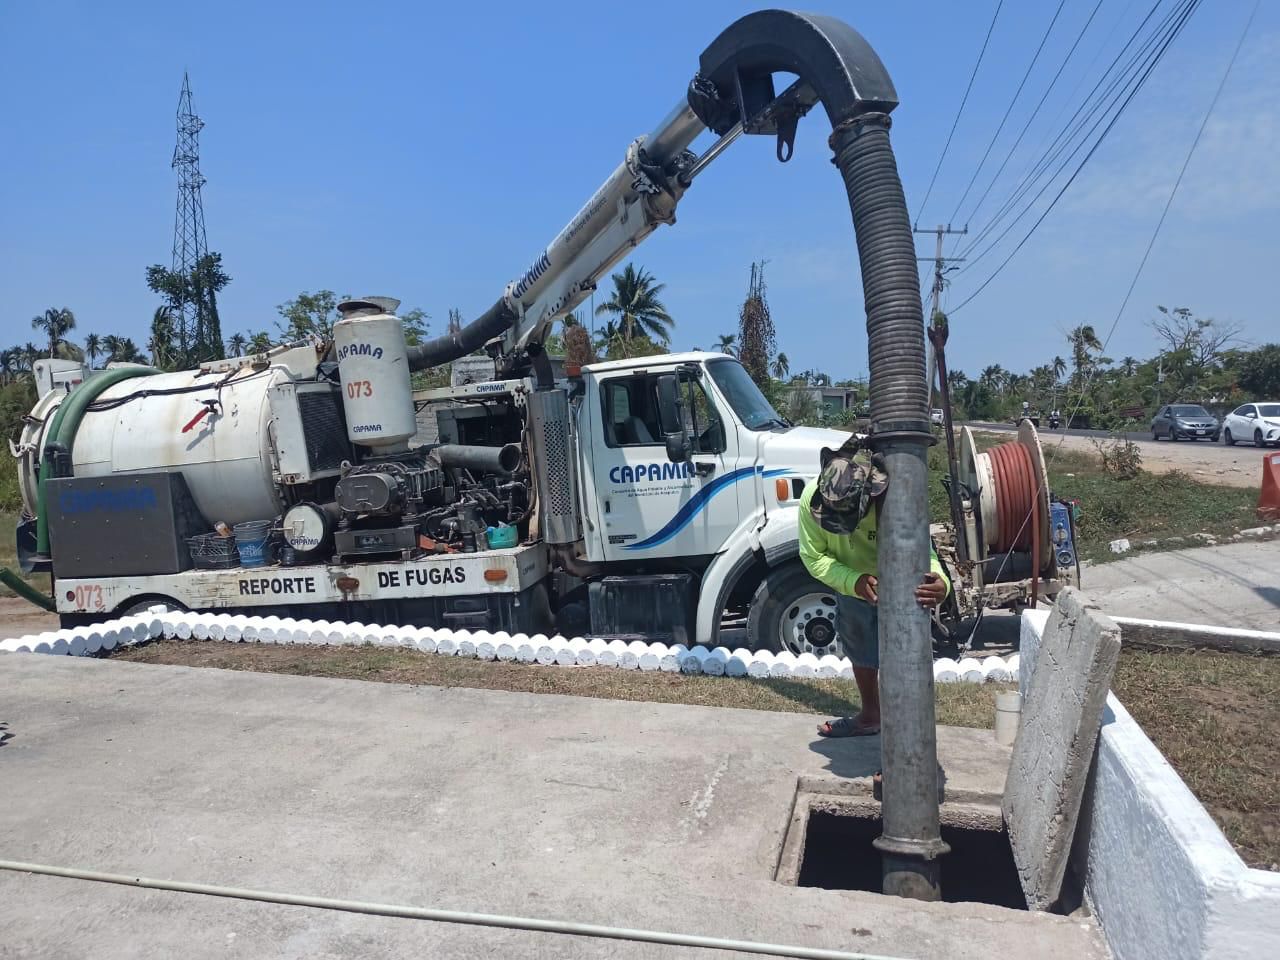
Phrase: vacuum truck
x=648 y=497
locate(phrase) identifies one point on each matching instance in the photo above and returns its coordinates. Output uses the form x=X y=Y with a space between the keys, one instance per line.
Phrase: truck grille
x=325 y=430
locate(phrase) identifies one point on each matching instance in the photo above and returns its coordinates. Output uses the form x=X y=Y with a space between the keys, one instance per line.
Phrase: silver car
x=1190 y=420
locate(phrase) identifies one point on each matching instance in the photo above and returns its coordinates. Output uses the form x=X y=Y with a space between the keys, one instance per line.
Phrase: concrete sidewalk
x=1230 y=585
x=643 y=815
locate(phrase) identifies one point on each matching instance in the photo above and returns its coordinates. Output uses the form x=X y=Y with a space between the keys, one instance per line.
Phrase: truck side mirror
x=669 y=418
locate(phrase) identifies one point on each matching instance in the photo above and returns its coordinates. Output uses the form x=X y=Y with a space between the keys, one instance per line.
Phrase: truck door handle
x=703 y=468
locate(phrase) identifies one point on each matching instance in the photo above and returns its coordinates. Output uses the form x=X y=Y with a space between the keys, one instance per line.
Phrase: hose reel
x=1008 y=488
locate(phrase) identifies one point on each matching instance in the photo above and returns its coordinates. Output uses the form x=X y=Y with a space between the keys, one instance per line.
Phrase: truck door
x=650 y=507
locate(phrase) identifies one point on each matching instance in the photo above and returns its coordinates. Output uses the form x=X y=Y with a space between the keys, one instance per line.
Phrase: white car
x=1259 y=422
x=936 y=416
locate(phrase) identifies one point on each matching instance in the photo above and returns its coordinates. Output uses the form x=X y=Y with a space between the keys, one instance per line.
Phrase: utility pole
x=939 y=269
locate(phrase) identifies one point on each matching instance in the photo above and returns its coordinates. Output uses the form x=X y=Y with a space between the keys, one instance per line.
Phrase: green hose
x=66 y=420
x=25 y=590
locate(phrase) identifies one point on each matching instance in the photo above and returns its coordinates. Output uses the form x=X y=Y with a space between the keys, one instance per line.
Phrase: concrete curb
x=1157 y=871
x=560 y=651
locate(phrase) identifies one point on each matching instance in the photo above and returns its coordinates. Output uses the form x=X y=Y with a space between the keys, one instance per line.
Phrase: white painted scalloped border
x=480 y=644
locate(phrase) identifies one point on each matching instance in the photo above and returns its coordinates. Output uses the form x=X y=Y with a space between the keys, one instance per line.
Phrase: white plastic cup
x=544 y=649
x=1008 y=713
x=828 y=666
x=486 y=645
x=670 y=661
x=446 y=642
x=608 y=655
x=630 y=660
x=715 y=662
x=217 y=629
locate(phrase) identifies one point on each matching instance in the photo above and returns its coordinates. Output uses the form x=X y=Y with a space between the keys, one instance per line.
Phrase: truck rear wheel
x=793 y=611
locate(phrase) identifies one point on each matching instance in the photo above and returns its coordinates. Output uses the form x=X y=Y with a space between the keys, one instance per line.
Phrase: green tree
x=121 y=350
x=757 y=340
x=165 y=352
x=92 y=347
x=725 y=344
x=309 y=316
x=198 y=290
x=1259 y=372
x=259 y=342
x=1059 y=368
x=56 y=324
x=636 y=306
x=1084 y=343
x=780 y=367
x=236 y=344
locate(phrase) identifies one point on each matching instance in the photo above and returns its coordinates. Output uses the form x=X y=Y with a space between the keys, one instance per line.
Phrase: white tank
x=374 y=367
x=227 y=458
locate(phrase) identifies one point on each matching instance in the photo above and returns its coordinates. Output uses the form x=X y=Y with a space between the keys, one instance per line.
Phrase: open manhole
x=829 y=845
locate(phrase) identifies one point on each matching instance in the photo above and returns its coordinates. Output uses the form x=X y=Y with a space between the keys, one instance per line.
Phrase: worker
x=838 y=518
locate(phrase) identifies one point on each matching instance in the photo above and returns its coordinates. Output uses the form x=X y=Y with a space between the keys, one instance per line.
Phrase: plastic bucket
x=501 y=537
x=252 y=538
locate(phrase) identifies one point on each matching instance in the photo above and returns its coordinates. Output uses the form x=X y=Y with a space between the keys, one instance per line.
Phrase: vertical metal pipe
x=911 y=841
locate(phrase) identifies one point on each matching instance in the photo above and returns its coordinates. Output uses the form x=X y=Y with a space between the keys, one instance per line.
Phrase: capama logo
x=359 y=350
x=642 y=472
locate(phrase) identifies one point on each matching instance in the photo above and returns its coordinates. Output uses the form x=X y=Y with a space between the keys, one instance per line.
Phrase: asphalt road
x=1204 y=448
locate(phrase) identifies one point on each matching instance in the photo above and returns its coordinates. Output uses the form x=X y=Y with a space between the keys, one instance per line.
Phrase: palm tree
x=725 y=343
x=1059 y=368
x=259 y=342
x=993 y=377
x=780 y=367
x=10 y=364
x=121 y=350
x=1129 y=366
x=112 y=345
x=1083 y=340
x=636 y=305
x=607 y=335
x=236 y=344
x=161 y=343
x=92 y=347
x=56 y=324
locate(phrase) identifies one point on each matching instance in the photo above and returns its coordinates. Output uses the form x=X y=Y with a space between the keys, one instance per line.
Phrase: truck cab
x=686 y=467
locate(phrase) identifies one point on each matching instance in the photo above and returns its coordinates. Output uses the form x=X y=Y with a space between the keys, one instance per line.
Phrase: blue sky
x=429 y=154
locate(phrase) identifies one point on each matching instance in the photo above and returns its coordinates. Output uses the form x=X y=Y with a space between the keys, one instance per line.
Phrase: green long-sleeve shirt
x=838 y=560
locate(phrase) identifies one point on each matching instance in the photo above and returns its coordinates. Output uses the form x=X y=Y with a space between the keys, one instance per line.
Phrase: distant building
x=830 y=402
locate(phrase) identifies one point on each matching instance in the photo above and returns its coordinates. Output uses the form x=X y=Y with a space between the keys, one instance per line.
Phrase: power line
x=963 y=100
x=1036 y=111
x=1072 y=128
x=1190 y=8
x=1009 y=109
x=1084 y=390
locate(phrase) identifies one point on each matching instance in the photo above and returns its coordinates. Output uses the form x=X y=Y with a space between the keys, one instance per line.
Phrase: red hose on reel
x=1015 y=479
x=1017 y=516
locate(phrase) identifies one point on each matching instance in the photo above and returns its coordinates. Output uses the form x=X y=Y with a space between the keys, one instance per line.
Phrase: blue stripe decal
x=684 y=516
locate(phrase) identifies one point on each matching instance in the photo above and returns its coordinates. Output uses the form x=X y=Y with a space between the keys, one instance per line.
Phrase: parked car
x=1259 y=422
x=1178 y=420
x=936 y=417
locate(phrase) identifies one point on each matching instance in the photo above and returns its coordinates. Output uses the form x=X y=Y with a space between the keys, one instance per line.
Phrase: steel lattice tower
x=189 y=243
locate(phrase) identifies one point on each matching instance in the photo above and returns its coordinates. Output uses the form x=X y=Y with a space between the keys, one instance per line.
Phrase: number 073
x=359 y=388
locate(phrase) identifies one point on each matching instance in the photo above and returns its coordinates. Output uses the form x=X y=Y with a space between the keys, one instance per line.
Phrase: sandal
x=847 y=727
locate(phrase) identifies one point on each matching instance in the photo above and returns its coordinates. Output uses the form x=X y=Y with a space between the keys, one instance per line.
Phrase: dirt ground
x=19 y=618
x=1239 y=466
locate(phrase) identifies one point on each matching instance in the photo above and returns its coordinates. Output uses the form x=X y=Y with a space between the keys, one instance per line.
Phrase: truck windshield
x=751 y=406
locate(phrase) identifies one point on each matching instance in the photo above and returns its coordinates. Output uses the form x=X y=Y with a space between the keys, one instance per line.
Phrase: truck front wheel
x=793 y=611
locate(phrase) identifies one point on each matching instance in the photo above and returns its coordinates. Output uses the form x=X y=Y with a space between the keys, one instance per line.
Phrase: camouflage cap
x=849 y=482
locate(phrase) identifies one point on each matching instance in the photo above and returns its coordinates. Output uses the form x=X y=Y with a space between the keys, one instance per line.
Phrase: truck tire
x=793 y=611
